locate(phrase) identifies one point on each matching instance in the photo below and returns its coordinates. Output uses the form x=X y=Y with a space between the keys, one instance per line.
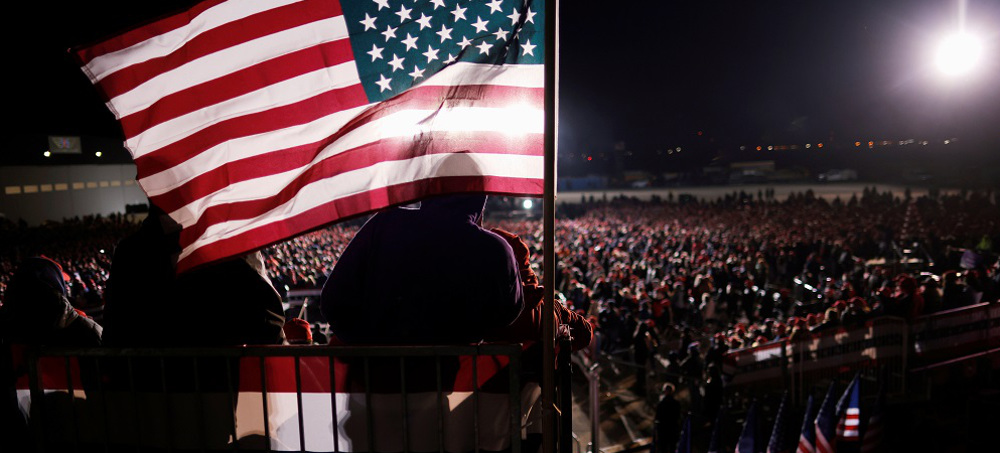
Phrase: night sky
x=651 y=74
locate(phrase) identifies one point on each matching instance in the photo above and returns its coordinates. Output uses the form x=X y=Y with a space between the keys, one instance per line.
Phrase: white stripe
x=406 y=123
x=168 y=42
x=226 y=61
x=378 y=176
x=279 y=94
x=851 y=433
x=851 y=422
x=853 y=411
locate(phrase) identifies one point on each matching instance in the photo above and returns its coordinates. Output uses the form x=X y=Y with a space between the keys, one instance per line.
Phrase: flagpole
x=549 y=212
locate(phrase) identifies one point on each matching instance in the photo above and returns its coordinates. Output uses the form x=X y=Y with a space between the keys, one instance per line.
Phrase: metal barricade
x=276 y=398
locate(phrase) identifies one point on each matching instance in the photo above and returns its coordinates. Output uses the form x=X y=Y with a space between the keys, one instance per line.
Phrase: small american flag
x=779 y=438
x=251 y=121
x=748 y=438
x=849 y=412
x=807 y=440
x=826 y=423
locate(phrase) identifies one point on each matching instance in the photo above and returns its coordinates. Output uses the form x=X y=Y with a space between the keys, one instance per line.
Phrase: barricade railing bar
x=445 y=398
x=886 y=345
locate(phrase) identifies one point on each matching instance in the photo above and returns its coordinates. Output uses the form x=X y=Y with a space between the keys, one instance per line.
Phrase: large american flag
x=251 y=121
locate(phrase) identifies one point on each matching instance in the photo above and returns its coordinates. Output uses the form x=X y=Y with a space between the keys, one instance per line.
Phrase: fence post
x=36 y=411
x=565 y=399
x=594 y=380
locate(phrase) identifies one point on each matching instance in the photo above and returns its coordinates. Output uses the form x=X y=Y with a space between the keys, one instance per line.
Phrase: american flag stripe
x=231 y=87
x=207 y=13
x=322 y=109
x=383 y=174
x=356 y=161
x=225 y=62
x=253 y=123
x=165 y=35
x=476 y=128
x=805 y=446
x=822 y=444
x=220 y=38
x=253 y=120
x=466 y=128
x=393 y=148
x=353 y=205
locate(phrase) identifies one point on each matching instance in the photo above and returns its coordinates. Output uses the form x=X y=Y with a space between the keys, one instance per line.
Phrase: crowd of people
x=682 y=281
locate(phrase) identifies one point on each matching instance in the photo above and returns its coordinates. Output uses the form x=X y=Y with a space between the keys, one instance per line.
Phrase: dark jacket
x=222 y=304
x=427 y=274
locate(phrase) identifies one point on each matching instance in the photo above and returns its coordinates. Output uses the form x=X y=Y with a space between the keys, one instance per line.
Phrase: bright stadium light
x=958 y=54
x=527 y=204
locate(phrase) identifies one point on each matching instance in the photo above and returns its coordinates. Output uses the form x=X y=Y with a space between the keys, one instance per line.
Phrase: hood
x=466 y=206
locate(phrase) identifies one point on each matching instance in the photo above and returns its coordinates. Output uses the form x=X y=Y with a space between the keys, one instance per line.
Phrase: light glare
x=958 y=54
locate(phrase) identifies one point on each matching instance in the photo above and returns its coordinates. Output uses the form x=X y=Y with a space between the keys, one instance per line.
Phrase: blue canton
x=398 y=44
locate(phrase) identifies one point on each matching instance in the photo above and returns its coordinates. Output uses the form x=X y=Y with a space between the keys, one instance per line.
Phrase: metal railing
x=890 y=345
x=276 y=398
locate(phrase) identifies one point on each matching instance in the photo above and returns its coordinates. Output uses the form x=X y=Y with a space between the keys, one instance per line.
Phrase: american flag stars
x=409 y=41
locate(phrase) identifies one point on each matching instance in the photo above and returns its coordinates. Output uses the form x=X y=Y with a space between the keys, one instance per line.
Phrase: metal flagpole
x=549 y=260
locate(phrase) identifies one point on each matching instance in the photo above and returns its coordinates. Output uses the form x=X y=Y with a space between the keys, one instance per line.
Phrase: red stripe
x=324 y=104
x=237 y=83
x=289 y=159
x=144 y=32
x=220 y=38
x=301 y=112
x=355 y=205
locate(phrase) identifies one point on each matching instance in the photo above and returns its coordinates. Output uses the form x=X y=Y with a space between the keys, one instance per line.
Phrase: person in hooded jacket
x=424 y=274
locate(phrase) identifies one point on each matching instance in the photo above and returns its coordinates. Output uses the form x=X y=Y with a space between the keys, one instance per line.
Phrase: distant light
x=98 y=154
x=958 y=54
x=670 y=151
x=47 y=153
x=101 y=251
x=700 y=133
x=527 y=204
x=871 y=143
x=857 y=143
x=758 y=148
x=808 y=145
x=819 y=145
x=589 y=158
x=678 y=149
x=770 y=148
x=947 y=142
x=743 y=148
